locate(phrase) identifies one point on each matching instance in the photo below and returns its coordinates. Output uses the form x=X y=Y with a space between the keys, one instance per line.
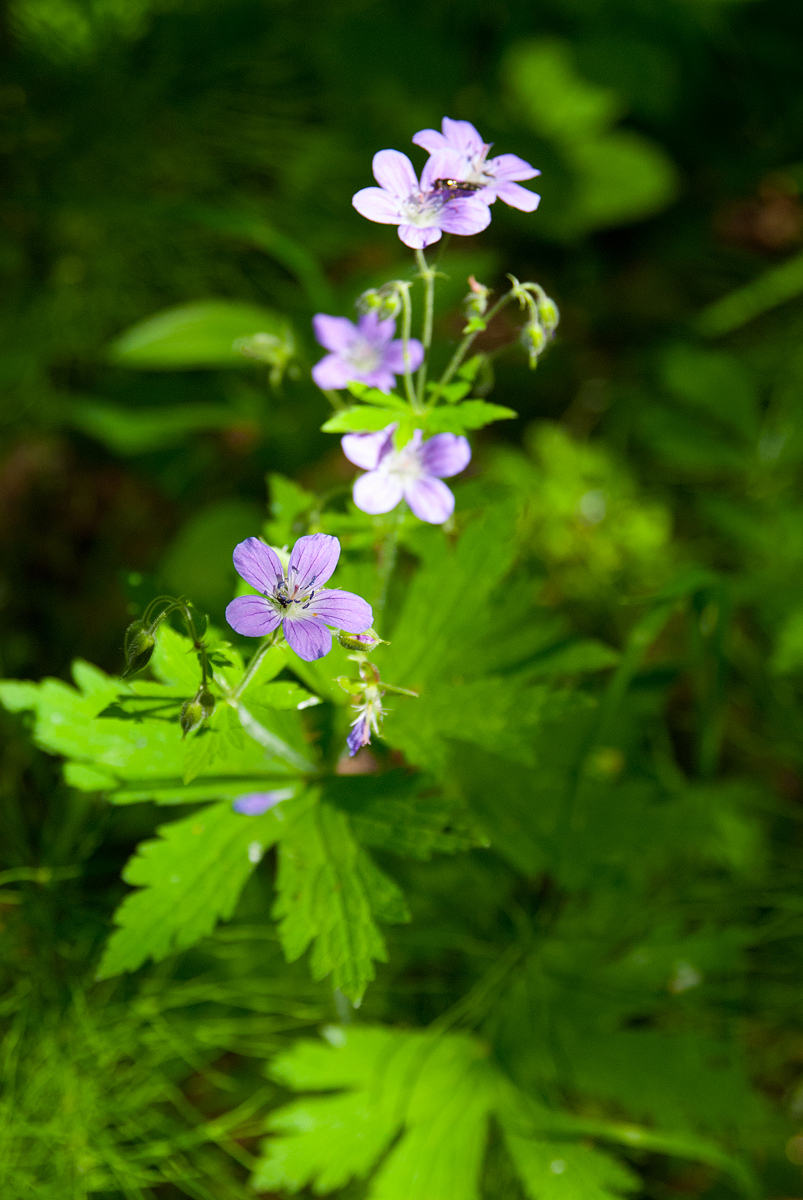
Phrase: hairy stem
x=387 y=557
x=407 y=320
x=253 y=666
x=428 y=276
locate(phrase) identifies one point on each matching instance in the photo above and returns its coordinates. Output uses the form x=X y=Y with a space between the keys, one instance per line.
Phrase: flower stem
x=253 y=666
x=466 y=343
x=428 y=276
x=387 y=557
x=407 y=320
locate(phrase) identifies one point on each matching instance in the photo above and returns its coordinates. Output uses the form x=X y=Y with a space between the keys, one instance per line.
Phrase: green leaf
x=361 y=419
x=190 y=878
x=575 y=657
x=369 y=395
x=140 y=430
x=194 y=335
x=556 y=1171
x=288 y=503
x=329 y=893
x=473 y=414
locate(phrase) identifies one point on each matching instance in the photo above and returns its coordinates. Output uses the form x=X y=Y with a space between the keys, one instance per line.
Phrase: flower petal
x=375 y=331
x=312 y=561
x=431 y=140
x=444 y=164
x=509 y=166
x=377 y=205
x=518 y=197
x=377 y=492
x=366 y=449
x=331 y=371
x=464 y=216
x=394 y=172
x=381 y=379
x=462 y=135
x=445 y=454
x=430 y=500
x=394 y=355
x=252 y=616
x=309 y=638
x=253 y=804
x=344 y=610
x=359 y=735
x=333 y=333
x=417 y=238
x=258 y=565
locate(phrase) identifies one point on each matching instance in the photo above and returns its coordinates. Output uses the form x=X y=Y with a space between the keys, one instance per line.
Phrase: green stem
x=387 y=557
x=253 y=666
x=465 y=345
x=407 y=321
x=428 y=276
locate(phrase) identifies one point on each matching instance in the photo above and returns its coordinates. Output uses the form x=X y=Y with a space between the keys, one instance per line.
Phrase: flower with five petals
x=414 y=473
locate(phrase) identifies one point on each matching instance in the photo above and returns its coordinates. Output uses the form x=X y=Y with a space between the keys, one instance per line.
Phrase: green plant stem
x=428 y=276
x=466 y=343
x=387 y=557
x=407 y=321
x=253 y=666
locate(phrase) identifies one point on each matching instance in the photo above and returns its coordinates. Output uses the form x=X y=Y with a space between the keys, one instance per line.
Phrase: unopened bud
x=138 y=646
x=534 y=340
x=360 y=641
x=548 y=314
x=194 y=712
x=476 y=302
x=385 y=301
x=276 y=351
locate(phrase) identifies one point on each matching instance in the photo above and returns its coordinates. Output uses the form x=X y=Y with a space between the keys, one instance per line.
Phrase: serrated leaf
x=471 y=414
x=370 y=395
x=566 y=1171
x=329 y=892
x=190 y=878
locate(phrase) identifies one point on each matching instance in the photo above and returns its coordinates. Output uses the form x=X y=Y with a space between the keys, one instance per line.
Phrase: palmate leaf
x=330 y=891
x=438 y=1092
x=190 y=878
x=448 y=418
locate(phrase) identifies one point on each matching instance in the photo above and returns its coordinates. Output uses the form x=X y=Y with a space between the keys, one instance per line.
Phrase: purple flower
x=254 y=804
x=421 y=211
x=369 y=716
x=414 y=472
x=496 y=177
x=364 y=351
x=296 y=600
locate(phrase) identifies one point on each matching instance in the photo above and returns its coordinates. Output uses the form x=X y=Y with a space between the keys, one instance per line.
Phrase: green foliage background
x=571 y=897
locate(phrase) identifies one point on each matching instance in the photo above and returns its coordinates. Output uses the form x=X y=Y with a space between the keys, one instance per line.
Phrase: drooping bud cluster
x=475 y=305
x=386 y=301
x=542 y=318
x=194 y=712
x=138 y=646
x=276 y=351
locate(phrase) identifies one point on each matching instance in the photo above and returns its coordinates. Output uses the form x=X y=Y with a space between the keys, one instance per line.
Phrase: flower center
x=422 y=209
x=363 y=356
x=293 y=602
x=405 y=464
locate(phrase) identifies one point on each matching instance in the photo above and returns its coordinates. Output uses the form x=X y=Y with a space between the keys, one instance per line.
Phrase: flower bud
x=138 y=646
x=548 y=314
x=534 y=340
x=385 y=301
x=369 y=673
x=194 y=712
x=476 y=302
x=360 y=641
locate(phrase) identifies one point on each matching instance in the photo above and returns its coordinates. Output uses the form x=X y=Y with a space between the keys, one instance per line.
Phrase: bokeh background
x=159 y=153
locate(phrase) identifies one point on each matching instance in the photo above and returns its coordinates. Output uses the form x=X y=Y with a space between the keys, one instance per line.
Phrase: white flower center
x=421 y=209
x=405 y=464
x=363 y=356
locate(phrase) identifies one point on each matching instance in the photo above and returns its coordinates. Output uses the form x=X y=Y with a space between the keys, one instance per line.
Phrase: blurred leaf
x=775 y=287
x=555 y=1171
x=194 y=336
x=139 y=430
x=198 y=562
x=472 y=414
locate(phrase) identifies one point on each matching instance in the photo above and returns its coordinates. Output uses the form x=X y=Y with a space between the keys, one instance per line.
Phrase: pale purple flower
x=413 y=473
x=369 y=716
x=365 y=352
x=254 y=804
x=422 y=211
x=494 y=178
x=297 y=600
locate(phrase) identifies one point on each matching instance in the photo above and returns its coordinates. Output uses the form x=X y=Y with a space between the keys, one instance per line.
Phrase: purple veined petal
x=431 y=140
x=377 y=492
x=382 y=379
x=445 y=454
x=518 y=197
x=333 y=333
x=309 y=638
x=430 y=500
x=377 y=205
x=376 y=331
x=252 y=616
x=367 y=449
x=462 y=135
x=464 y=216
x=344 y=610
x=312 y=561
x=331 y=371
x=510 y=167
x=394 y=355
x=443 y=164
x=359 y=735
x=258 y=565
x=417 y=238
x=254 y=804
x=394 y=172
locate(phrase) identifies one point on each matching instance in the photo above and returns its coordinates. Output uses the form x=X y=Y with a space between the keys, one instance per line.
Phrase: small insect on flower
x=296 y=600
x=491 y=179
